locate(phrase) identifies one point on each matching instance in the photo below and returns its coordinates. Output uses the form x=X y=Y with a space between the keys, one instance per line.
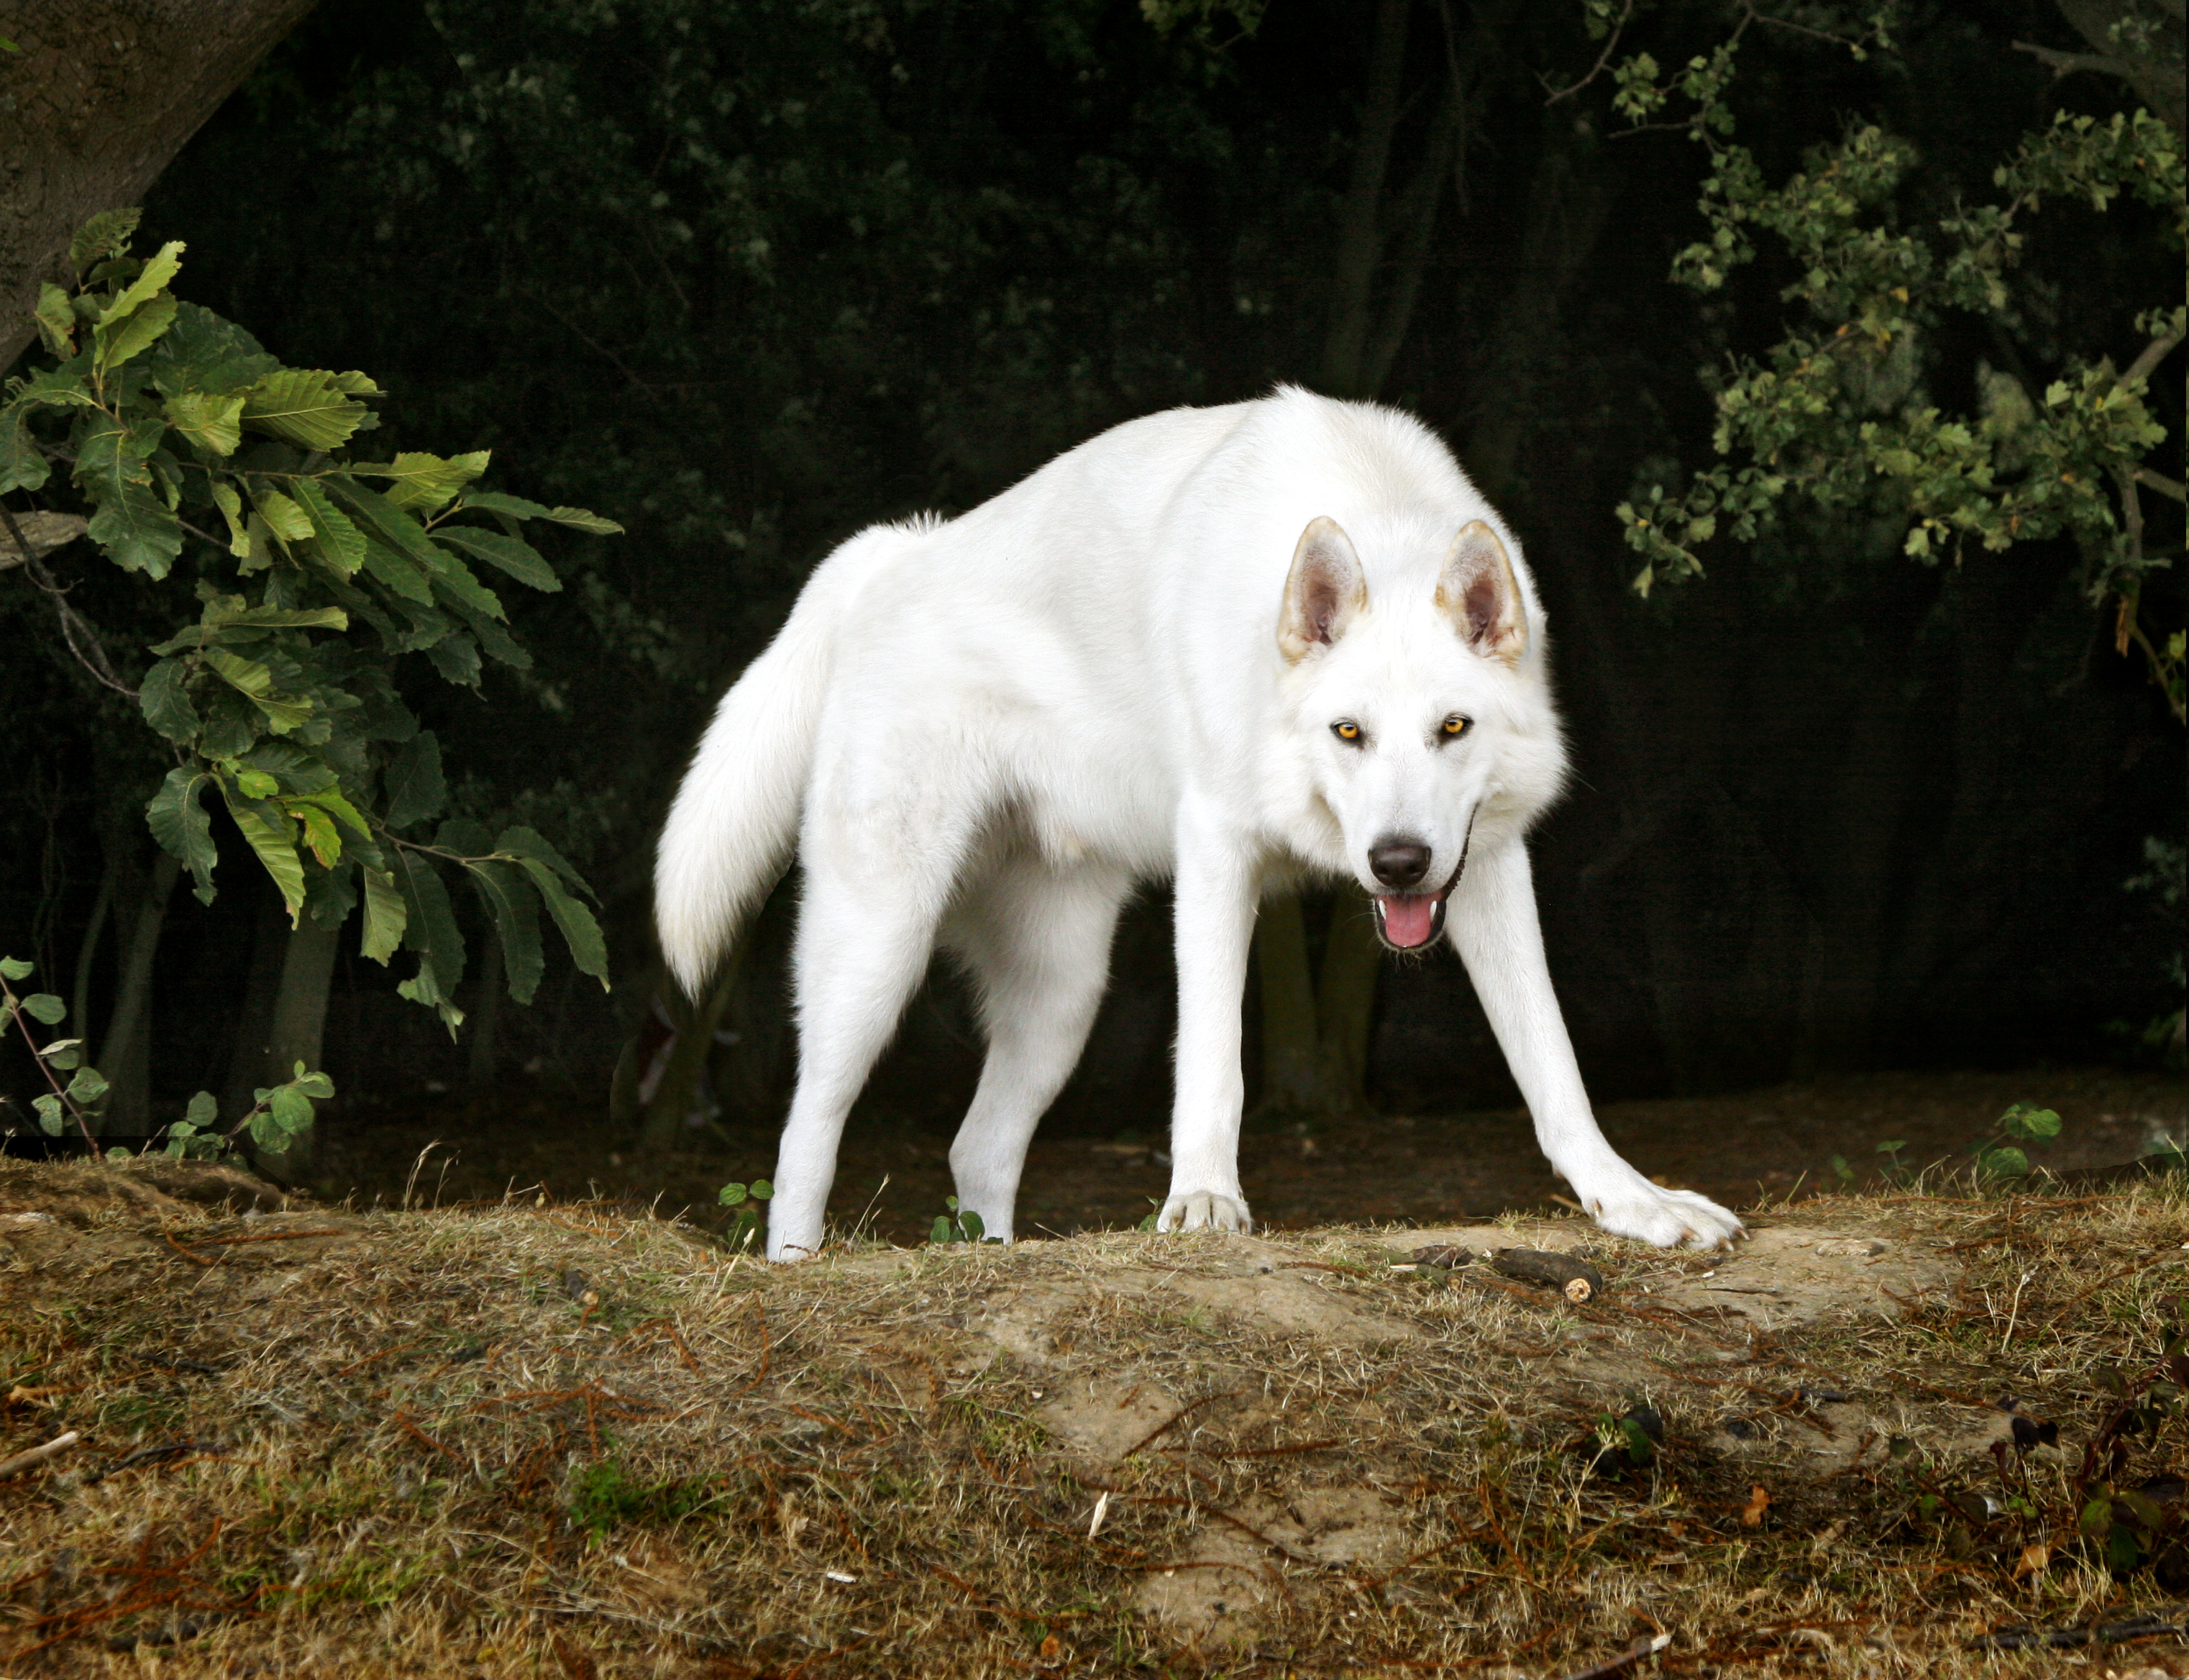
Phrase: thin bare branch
x=2066 y=64
x=77 y=630
x=1601 y=58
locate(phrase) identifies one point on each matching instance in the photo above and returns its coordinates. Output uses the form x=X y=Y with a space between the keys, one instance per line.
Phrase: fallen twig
x=36 y=1456
x=1648 y=1645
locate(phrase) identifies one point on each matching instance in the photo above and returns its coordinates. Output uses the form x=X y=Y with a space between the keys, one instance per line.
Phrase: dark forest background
x=748 y=276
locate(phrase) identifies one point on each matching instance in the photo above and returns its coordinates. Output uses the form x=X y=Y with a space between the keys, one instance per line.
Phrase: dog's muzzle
x=1410 y=921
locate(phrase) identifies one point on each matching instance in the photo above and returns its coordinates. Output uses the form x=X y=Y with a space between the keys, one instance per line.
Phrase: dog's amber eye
x=1455 y=724
x=1346 y=730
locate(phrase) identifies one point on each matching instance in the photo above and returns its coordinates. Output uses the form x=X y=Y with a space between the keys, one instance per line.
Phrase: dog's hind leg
x=866 y=925
x=1037 y=943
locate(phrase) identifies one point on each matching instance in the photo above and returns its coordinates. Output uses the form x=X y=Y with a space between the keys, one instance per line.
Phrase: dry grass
x=528 y=1440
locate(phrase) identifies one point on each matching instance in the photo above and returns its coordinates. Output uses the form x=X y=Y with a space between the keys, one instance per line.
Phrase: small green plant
x=960 y=1224
x=607 y=1495
x=1844 y=1172
x=1897 y=1171
x=745 y=1199
x=2001 y=1155
x=80 y=1098
x=279 y=1113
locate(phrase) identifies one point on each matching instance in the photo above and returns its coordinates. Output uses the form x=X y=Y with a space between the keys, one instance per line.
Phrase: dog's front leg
x=1218 y=884
x=1495 y=926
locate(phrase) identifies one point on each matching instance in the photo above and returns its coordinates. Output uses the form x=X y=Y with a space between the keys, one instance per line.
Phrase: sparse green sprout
x=1896 y=1171
x=2023 y=1124
x=959 y=1224
x=742 y=1197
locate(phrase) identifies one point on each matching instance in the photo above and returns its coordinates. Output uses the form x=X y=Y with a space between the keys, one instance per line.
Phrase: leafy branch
x=168 y=425
x=1835 y=411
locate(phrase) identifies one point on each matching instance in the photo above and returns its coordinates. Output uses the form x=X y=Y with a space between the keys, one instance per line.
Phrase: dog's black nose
x=1399 y=864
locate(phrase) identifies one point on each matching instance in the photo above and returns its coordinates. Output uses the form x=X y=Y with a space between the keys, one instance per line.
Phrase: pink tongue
x=1407 y=920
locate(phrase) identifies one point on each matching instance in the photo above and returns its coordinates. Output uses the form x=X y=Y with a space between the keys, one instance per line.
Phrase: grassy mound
x=1901 y=1434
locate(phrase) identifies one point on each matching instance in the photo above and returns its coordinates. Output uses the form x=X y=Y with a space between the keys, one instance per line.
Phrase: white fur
x=987 y=731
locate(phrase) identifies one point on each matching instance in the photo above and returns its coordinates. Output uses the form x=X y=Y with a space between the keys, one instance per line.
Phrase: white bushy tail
x=731 y=831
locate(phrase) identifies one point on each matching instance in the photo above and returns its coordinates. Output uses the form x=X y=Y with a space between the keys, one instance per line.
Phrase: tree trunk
x=1295 y=1076
x=126 y=1057
x=297 y=1029
x=1360 y=231
x=87 y=954
x=99 y=95
x=663 y=1123
x=486 y=1016
x=254 y=1021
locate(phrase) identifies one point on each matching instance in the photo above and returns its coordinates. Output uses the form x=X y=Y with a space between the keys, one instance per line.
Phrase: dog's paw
x=1669 y=1218
x=1204 y=1210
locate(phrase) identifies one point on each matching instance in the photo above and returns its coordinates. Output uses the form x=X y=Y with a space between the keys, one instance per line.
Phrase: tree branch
x=75 y=630
x=1602 y=60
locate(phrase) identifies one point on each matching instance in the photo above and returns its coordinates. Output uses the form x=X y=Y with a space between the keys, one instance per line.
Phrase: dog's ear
x=1482 y=596
x=1325 y=592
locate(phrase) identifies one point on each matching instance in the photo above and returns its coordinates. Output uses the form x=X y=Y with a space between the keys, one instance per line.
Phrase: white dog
x=1234 y=646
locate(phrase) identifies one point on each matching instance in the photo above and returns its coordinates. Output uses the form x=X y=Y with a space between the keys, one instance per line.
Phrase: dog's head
x=1414 y=711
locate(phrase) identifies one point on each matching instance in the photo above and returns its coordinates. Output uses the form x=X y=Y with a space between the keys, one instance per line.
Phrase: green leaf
x=51 y=1121
x=581 y=932
x=102 y=236
x=152 y=280
x=303 y=406
x=341 y=543
x=214 y=424
x=15 y=968
x=282 y=516
x=519 y=559
x=117 y=341
x=56 y=319
x=415 y=788
x=318 y=1086
x=396 y=573
x=88 y=1086
x=320 y=835
x=432 y=933
x=521 y=842
x=385 y=916
x=284 y=617
x=331 y=801
x=63 y=1053
x=22 y=463
x=203 y=1111
x=426 y=482
x=291 y=1109
x=731 y=1195
x=136 y=529
x=202 y=353
x=231 y=509
x=164 y=699
x=2029 y=1123
x=456 y=658
x=182 y=827
x=515 y=911
x=254 y=681
x=45 y=1007
x=269 y=836
x=516 y=508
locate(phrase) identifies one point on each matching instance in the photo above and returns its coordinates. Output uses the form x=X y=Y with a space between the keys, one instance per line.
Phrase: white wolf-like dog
x=1234 y=646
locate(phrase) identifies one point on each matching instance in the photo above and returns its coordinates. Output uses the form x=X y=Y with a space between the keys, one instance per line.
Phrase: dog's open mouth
x=1407 y=921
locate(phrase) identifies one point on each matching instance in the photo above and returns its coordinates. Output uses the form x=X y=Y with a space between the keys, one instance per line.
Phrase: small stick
x=38 y=1455
x=1647 y=1645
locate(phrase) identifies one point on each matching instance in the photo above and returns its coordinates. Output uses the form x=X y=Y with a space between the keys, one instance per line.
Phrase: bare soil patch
x=536 y=1438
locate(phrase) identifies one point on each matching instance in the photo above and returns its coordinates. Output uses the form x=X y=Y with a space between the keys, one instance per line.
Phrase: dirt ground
x=1419 y=1169
x=1925 y=1432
